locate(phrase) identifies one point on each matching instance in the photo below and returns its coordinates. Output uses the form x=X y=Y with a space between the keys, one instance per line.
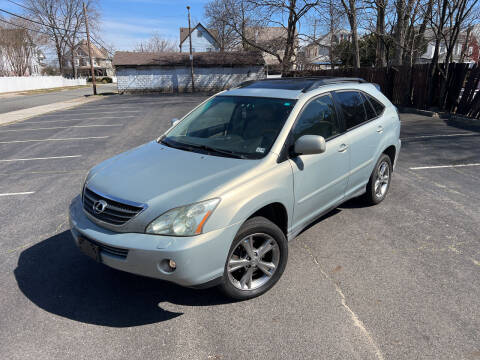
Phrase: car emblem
x=99 y=206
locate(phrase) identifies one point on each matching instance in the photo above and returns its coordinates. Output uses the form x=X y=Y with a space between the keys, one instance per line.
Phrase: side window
x=318 y=118
x=352 y=105
x=377 y=105
x=368 y=108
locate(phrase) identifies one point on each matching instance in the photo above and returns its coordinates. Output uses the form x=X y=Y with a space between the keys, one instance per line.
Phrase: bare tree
x=351 y=12
x=63 y=21
x=447 y=21
x=216 y=14
x=18 y=48
x=155 y=44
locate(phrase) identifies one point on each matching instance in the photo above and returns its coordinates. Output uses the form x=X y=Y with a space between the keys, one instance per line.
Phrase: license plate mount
x=90 y=249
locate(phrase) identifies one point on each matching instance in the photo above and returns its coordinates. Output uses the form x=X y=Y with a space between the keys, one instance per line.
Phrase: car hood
x=163 y=177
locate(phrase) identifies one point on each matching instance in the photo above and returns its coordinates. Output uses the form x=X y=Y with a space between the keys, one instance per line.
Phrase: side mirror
x=310 y=144
x=174 y=121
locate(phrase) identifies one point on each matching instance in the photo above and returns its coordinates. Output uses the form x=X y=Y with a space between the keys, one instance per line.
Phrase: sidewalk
x=19 y=115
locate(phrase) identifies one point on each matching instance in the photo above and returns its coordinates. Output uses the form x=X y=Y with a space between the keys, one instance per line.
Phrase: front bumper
x=200 y=259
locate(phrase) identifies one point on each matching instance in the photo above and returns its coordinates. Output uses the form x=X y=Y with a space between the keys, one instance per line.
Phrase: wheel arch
x=276 y=212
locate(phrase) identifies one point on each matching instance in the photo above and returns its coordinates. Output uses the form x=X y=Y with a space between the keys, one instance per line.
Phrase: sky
x=124 y=23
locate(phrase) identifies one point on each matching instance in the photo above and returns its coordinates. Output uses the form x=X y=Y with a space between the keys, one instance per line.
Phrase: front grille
x=115 y=213
x=111 y=250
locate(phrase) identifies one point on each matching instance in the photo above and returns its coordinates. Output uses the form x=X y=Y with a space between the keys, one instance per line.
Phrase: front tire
x=256 y=260
x=379 y=183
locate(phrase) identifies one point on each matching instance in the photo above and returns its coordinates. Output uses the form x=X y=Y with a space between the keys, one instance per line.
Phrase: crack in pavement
x=356 y=320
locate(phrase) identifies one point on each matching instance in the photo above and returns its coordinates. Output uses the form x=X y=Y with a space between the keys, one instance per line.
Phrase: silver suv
x=216 y=198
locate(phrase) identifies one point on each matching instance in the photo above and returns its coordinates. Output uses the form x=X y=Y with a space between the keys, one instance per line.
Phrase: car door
x=320 y=179
x=363 y=128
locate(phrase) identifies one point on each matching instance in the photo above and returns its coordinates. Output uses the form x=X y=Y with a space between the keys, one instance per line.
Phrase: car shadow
x=55 y=276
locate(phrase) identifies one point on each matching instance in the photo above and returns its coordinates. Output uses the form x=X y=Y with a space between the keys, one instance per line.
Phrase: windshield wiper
x=208 y=149
x=218 y=151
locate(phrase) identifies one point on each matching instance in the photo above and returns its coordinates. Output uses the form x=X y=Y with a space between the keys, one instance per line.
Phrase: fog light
x=172 y=264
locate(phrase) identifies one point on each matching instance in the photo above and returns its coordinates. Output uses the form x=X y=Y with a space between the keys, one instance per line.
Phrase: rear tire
x=379 y=183
x=256 y=260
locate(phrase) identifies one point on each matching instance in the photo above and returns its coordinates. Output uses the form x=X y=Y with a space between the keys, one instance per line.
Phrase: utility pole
x=90 y=51
x=191 y=54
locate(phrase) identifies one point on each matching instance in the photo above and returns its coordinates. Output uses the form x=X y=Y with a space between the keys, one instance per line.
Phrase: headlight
x=183 y=221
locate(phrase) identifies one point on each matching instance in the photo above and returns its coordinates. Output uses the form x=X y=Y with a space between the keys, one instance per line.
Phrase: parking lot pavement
x=21 y=101
x=395 y=281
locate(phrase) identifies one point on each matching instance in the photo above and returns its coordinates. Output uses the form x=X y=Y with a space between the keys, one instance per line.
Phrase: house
x=203 y=39
x=319 y=51
x=19 y=55
x=466 y=51
x=272 y=38
x=102 y=63
x=169 y=72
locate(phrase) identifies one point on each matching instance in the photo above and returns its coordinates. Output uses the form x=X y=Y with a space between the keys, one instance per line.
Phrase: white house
x=203 y=40
x=19 y=55
x=318 y=52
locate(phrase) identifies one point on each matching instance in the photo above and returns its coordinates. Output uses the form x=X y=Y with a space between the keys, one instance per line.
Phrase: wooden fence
x=410 y=86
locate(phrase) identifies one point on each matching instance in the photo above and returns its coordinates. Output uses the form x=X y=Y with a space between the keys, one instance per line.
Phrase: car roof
x=288 y=88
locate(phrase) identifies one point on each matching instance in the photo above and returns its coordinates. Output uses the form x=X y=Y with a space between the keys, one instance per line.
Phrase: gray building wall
x=178 y=79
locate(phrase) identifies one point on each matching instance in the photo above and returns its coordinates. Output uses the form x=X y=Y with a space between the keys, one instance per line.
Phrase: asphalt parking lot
x=400 y=280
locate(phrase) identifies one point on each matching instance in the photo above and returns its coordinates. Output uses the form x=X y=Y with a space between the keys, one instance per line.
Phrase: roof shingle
x=203 y=59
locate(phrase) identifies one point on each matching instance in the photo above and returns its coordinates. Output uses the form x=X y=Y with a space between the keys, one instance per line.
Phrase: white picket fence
x=22 y=83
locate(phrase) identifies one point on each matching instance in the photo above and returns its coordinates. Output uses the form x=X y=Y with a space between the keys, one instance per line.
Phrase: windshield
x=236 y=126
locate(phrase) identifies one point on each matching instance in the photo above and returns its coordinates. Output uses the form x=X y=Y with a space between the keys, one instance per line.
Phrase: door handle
x=379 y=129
x=343 y=148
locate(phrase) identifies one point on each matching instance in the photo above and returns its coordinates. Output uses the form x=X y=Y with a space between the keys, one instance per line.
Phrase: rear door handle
x=379 y=129
x=343 y=148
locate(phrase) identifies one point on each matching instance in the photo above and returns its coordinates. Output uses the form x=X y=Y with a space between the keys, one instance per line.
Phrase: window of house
x=209 y=49
x=318 y=118
x=199 y=33
x=353 y=108
x=470 y=50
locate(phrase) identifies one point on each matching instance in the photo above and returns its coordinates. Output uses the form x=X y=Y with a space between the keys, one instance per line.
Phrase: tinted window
x=241 y=125
x=369 y=109
x=318 y=118
x=352 y=105
x=377 y=105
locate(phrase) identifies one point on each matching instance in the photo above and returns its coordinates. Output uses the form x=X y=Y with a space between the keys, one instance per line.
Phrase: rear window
x=377 y=105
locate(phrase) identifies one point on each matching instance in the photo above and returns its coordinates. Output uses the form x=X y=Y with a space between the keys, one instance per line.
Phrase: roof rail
x=333 y=80
x=309 y=83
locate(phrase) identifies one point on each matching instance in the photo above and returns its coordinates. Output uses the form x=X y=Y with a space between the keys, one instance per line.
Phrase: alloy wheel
x=253 y=261
x=382 y=179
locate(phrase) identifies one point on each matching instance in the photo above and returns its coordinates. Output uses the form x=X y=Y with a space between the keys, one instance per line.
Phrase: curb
x=418 y=111
x=460 y=120
x=24 y=114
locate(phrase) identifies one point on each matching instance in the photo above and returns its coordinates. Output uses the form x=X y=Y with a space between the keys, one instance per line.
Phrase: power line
x=45 y=33
x=23 y=6
x=38 y=22
x=23 y=27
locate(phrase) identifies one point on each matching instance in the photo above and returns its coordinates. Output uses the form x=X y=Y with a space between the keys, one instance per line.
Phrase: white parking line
x=64 y=139
x=42 y=158
x=64 y=113
x=84 y=119
x=443 y=166
x=435 y=136
x=19 y=193
x=62 y=127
